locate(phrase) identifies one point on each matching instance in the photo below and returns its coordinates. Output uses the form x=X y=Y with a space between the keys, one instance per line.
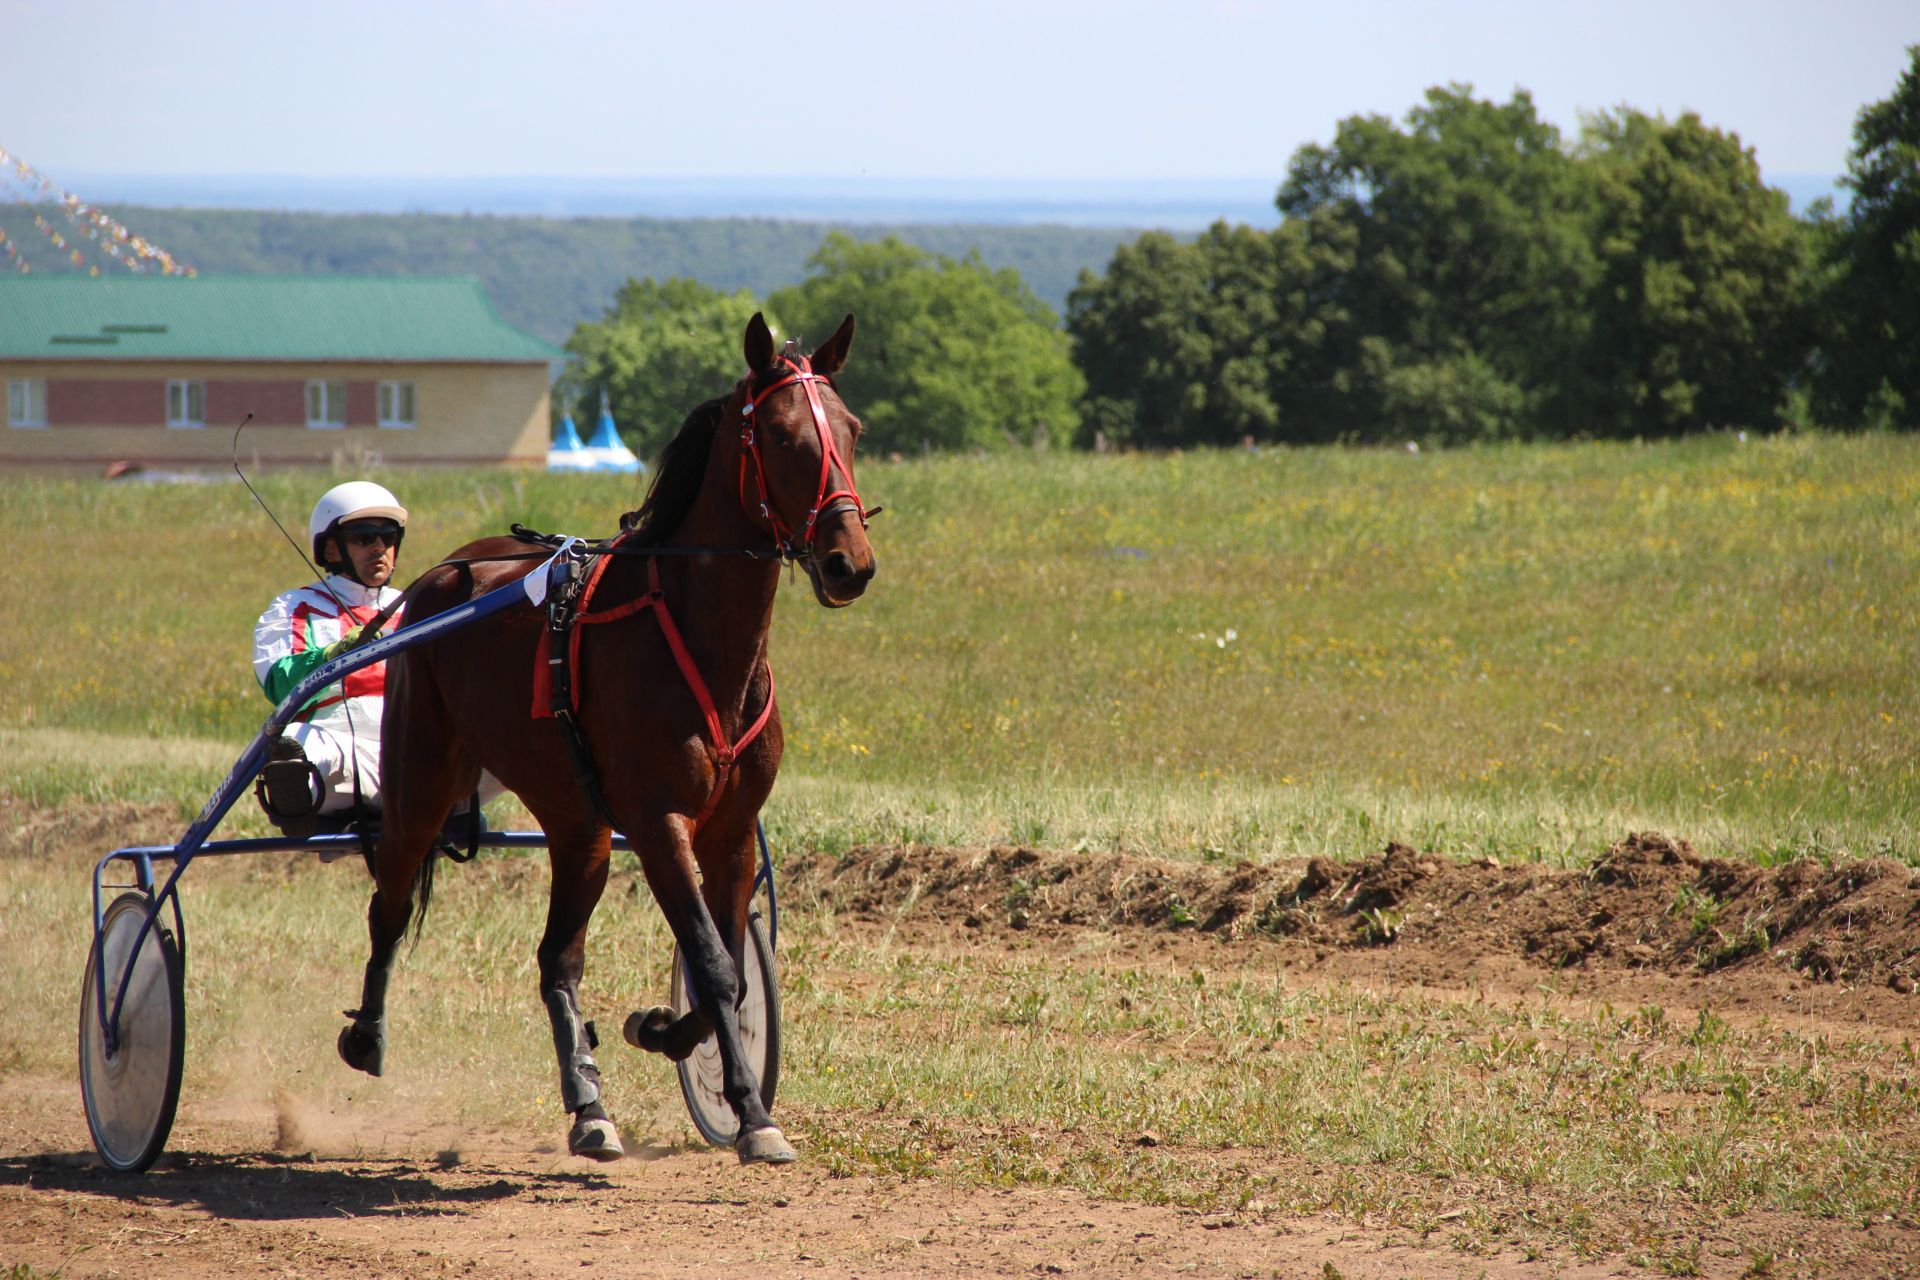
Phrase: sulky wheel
x=131 y=1093
x=701 y=1080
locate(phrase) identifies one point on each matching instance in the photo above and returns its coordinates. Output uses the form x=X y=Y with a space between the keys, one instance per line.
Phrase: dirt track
x=1831 y=950
x=673 y=1214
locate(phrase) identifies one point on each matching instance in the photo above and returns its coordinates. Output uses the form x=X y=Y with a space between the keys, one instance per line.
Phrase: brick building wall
x=464 y=414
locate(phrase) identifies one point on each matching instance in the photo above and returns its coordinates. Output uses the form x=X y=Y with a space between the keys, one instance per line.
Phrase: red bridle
x=825 y=498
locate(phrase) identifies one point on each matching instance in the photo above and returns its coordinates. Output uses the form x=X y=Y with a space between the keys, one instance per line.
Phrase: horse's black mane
x=677 y=480
x=683 y=466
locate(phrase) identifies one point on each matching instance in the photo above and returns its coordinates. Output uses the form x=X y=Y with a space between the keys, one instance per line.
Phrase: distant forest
x=1463 y=272
x=547 y=274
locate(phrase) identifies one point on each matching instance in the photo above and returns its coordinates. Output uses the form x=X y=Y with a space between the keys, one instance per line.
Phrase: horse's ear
x=831 y=356
x=759 y=344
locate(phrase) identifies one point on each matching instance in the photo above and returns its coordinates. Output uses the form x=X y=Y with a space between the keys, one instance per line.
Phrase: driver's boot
x=290 y=789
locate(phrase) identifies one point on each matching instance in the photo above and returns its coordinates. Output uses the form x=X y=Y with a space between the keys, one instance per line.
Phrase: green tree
x=1426 y=282
x=949 y=354
x=1208 y=342
x=1871 y=321
x=1468 y=235
x=1698 y=312
x=1167 y=356
x=661 y=349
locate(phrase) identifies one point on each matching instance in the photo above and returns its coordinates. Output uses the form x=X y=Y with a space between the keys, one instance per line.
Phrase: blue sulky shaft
x=531 y=588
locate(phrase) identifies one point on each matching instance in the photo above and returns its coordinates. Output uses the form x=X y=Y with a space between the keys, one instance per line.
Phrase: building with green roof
x=395 y=369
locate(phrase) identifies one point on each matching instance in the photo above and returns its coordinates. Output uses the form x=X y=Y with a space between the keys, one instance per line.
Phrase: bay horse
x=766 y=467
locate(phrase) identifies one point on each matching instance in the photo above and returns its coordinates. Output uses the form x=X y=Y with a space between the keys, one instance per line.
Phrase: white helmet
x=354 y=500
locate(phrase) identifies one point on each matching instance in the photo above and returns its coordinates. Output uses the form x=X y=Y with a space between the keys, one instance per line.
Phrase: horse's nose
x=842 y=577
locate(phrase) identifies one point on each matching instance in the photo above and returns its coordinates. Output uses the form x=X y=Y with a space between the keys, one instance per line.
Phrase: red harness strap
x=724 y=753
x=826 y=498
x=825 y=495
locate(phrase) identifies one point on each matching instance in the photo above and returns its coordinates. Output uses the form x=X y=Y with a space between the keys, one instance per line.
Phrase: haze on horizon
x=998 y=90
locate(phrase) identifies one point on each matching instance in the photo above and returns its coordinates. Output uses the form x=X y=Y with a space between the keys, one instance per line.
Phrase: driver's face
x=374 y=556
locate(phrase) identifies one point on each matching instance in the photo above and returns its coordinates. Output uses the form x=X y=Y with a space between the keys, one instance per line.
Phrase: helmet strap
x=340 y=562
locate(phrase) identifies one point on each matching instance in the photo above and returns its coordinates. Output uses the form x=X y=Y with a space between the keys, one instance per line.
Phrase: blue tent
x=566 y=453
x=606 y=450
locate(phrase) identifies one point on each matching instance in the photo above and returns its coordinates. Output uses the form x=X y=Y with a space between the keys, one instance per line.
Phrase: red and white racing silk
x=287 y=642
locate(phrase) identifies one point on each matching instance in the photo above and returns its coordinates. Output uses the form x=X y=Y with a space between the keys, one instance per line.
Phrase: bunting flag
x=108 y=235
x=14 y=259
x=59 y=242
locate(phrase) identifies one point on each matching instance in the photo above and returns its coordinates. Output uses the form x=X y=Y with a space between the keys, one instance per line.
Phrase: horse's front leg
x=726 y=885
x=579 y=869
x=713 y=974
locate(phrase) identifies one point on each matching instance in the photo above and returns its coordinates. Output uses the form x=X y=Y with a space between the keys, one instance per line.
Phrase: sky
x=1018 y=90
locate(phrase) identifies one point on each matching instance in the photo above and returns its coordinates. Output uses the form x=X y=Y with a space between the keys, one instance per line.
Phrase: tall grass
x=1516 y=649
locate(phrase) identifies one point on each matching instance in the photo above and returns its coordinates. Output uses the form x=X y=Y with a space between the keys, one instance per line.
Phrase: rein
x=825 y=502
x=613 y=548
x=559 y=649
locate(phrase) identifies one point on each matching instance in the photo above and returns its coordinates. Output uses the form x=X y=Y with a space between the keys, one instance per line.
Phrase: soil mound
x=1649 y=902
x=28 y=830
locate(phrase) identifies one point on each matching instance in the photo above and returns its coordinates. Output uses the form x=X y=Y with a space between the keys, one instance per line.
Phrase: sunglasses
x=360 y=539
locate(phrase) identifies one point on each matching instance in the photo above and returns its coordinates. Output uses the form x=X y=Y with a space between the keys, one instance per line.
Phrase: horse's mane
x=677 y=480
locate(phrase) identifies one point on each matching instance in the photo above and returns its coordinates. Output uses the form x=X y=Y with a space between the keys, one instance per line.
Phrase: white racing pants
x=335 y=757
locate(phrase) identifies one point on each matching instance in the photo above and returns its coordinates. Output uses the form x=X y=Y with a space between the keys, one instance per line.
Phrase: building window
x=326 y=404
x=26 y=402
x=186 y=404
x=396 y=404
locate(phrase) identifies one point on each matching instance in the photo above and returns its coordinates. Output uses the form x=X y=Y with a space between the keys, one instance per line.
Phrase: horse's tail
x=423 y=891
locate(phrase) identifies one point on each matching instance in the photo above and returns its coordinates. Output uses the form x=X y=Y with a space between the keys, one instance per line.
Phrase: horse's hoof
x=647 y=1028
x=764 y=1146
x=596 y=1140
x=363 y=1049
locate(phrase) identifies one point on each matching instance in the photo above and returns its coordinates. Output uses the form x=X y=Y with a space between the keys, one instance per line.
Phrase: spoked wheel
x=702 y=1083
x=131 y=1093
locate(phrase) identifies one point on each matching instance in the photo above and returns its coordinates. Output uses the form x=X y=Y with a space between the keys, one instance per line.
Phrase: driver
x=328 y=760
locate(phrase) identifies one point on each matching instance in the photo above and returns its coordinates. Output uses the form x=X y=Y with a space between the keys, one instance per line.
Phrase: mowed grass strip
x=1522 y=650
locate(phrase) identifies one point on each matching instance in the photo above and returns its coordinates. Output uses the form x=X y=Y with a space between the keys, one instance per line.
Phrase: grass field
x=1520 y=650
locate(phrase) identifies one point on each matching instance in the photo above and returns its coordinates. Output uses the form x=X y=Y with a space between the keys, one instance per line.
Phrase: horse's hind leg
x=402 y=864
x=579 y=869
x=397 y=865
x=424 y=774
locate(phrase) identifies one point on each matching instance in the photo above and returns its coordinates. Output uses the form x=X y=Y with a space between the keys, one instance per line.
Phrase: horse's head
x=796 y=461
